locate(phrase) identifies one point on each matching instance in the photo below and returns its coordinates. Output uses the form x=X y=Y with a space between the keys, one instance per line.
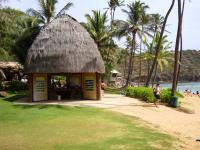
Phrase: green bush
x=143 y=93
x=166 y=95
x=146 y=94
x=16 y=86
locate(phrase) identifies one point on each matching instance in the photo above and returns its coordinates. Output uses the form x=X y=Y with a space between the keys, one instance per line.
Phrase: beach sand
x=183 y=123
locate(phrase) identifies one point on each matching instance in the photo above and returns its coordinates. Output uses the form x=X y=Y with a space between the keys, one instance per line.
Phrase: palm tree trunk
x=180 y=60
x=159 y=43
x=176 y=55
x=155 y=73
x=150 y=50
x=112 y=13
x=140 y=70
x=131 y=59
x=125 y=64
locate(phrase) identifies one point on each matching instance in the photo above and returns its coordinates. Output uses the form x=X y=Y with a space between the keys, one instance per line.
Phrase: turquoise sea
x=193 y=86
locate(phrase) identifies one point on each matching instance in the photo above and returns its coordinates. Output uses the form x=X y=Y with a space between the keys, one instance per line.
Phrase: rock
x=3 y=94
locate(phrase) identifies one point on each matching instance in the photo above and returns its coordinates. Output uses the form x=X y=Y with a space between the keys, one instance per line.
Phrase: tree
x=159 y=44
x=177 y=57
x=132 y=27
x=11 y=28
x=96 y=26
x=32 y=26
x=113 y=4
x=156 y=21
x=47 y=11
x=164 y=56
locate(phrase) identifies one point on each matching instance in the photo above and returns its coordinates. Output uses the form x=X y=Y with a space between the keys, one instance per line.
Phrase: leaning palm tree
x=177 y=57
x=155 y=25
x=47 y=11
x=159 y=44
x=132 y=27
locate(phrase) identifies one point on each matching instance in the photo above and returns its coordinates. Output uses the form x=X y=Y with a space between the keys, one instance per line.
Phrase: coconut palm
x=159 y=44
x=164 y=56
x=177 y=57
x=132 y=27
x=96 y=26
x=113 y=4
x=47 y=11
x=156 y=21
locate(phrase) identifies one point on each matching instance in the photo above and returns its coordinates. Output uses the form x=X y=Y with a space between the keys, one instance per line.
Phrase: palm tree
x=96 y=26
x=159 y=44
x=177 y=56
x=145 y=22
x=156 y=21
x=47 y=11
x=113 y=4
x=132 y=27
x=164 y=56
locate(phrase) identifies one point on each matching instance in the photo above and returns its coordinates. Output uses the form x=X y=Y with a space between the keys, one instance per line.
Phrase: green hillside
x=190 y=68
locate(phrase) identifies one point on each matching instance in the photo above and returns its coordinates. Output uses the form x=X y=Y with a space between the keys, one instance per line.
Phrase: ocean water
x=193 y=86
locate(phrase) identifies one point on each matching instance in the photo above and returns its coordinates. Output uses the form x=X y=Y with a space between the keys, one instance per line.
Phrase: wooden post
x=98 y=86
x=30 y=87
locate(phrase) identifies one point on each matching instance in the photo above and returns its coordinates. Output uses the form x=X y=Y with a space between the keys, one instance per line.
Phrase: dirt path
x=183 y=125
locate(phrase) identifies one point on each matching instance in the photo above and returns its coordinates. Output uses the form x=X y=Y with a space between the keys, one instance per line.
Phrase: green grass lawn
x=56 y=127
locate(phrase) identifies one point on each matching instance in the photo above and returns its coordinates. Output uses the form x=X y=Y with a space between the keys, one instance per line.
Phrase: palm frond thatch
x=64 y=46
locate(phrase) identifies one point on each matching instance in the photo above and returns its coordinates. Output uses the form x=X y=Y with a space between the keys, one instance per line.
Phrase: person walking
x=156 y=91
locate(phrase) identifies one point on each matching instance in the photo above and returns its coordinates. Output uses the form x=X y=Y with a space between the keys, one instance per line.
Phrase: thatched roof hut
x=10 y=65
x=64 y=46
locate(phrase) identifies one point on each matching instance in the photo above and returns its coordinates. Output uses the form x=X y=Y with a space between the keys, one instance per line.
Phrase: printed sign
x=89 y=84
x=40 y=88
x=40 y=84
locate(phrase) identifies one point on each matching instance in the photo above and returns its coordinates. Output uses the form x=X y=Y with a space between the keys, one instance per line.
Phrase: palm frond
x=65 y=8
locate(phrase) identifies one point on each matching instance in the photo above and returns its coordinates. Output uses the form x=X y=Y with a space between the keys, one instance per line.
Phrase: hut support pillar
x=30 y=85
x=98 y=77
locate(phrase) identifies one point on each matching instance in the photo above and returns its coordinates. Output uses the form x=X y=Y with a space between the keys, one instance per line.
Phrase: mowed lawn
x=58 y=127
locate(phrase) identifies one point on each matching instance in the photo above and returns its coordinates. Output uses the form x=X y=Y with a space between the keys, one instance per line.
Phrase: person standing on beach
x=156 y=91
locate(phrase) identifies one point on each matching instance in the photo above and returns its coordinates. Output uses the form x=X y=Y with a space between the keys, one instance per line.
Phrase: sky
x=191 y=22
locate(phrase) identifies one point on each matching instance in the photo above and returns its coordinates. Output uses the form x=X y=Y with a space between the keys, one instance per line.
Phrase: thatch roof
x=64 y=46
x=10 y=65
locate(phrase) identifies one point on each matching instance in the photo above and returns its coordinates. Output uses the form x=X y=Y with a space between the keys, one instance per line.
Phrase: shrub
x=143 y=93
x=166 y=95
x=146 y=94
x=16 y=86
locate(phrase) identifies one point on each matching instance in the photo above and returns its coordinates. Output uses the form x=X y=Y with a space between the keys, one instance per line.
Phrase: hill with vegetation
x=190 y=68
